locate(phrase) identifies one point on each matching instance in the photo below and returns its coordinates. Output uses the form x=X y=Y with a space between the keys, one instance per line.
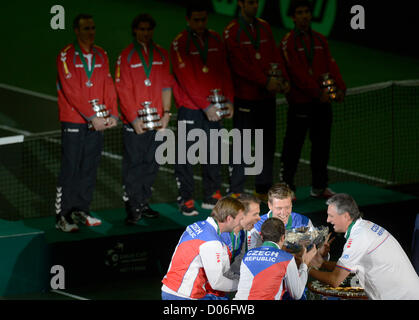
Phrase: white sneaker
x=86 y=219
x=65 y=225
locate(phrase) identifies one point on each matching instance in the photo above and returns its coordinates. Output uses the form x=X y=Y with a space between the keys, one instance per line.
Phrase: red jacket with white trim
x=250 y=75
x=193 y=85
x=73 y=93
x=305 y=87
x=130 y=76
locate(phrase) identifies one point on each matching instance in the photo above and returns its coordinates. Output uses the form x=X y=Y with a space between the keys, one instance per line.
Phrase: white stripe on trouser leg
x=58 y=200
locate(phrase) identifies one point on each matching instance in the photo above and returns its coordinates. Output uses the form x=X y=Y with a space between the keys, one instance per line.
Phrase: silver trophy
x=275 y=72
x=150 y=117
x=100 y=111
x=296 y=239
x=328 y=84
x=220 y=102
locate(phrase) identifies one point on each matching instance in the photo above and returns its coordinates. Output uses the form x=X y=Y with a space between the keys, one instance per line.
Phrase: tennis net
x=374 y=141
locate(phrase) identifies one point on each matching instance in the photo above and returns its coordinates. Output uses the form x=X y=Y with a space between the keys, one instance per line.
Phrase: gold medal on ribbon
x=205 y=69
x=258 y=56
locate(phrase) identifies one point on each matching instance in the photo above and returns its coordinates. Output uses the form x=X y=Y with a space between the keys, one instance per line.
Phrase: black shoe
x=210 y=202
x=149 y=213
x=187 y=207
x=134 y=215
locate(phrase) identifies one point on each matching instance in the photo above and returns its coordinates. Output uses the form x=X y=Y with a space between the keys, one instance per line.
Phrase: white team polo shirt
x=383 y=268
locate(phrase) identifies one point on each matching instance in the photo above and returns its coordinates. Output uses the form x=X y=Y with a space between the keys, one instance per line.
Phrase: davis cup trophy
x=100 y=111
x=150 y=117
x=328 y=84
x=275 y=72
x=219 y=101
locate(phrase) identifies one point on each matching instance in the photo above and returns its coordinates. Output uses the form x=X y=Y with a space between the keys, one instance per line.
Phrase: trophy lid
x=325 y=76
x=215 y=91
x=94 y=101
x=146 y=104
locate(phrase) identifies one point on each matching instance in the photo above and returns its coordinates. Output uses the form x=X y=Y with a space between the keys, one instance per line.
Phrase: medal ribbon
x=83 y=60
x=270 y=244
x=147 y=67
x=203 y=52
x=348 y=233
x=233 y=241
x=309 y=55
x=289 y=222
x=218 y=227
x=255 y=41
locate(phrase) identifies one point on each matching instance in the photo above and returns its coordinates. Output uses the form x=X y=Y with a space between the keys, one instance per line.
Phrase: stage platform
x=29 y=248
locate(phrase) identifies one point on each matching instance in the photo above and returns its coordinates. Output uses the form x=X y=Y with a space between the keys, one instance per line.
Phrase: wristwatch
x=167 y=111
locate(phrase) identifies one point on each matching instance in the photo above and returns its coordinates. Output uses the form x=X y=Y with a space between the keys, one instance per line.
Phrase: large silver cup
x=100 y=111
x=328 y=84
x=220 y=102
x=150 y=117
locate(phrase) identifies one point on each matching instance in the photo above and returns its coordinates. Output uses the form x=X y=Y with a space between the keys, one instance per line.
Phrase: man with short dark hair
x=267 y=271
x=308 y=60
x=87 y=106
x=201 y=257
x=199 y=65
x=371 y=252
x=251 y=49
x=142 y=75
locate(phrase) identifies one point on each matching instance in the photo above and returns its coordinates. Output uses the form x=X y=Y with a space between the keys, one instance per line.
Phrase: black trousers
x=211 y=173
x=260 y=114
x=139 y=167
x=315 y=118
x=80 y=157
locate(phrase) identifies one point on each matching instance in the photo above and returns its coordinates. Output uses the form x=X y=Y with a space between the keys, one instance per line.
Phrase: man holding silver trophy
x=87 y=106
x=258 y=75
x=203 y=94
x=144 y=86
x=315 y=82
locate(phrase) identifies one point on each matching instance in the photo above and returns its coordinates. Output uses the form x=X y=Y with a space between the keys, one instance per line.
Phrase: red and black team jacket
x=193 y=80
x=305 y=77
x=130 y=80
x=73 y=92
x=250 y=74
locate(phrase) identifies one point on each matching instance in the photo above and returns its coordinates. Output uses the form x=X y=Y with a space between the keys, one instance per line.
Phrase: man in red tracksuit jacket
x=199 y=65
x=83 y=75
x=307 y=57
x=142 y=74
x=251 y=49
